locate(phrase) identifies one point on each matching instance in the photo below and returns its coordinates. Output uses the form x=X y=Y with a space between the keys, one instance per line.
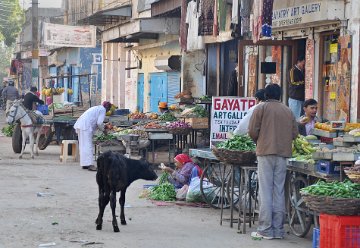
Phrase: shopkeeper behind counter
x=307 y=121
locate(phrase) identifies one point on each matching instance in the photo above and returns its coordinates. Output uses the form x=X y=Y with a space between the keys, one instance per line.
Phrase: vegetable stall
x=320 y=164
x=157 y=137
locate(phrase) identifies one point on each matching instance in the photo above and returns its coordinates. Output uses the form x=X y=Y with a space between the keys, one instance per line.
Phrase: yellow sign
x=332 y=95
x=333 y=48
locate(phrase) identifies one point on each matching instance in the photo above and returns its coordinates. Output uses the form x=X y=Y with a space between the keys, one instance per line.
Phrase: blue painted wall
x=78 y=61
x=86 y=58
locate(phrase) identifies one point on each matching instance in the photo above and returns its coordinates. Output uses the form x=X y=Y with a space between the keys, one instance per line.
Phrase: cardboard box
x=198 y=123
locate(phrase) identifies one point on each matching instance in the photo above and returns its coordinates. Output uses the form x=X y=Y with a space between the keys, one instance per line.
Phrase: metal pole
x=35 y=50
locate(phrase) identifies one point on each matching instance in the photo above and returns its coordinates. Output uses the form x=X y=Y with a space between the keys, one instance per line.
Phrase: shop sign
x=226 y=113
x=302 y=12
x=69 y=36
x=97 y=58
x=333 y=48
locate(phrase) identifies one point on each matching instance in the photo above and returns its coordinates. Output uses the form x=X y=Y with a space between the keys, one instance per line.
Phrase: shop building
x=326 y=34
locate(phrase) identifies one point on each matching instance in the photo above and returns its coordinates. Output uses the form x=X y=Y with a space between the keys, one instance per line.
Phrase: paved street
x=66 y=214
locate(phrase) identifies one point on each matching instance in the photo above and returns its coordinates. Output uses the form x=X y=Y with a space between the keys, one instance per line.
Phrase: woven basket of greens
x=239 y=150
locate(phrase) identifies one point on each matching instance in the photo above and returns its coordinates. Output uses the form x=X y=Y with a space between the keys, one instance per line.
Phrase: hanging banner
x=226 y=113
x=69 y=36
x=343 y=79
x=309 y=69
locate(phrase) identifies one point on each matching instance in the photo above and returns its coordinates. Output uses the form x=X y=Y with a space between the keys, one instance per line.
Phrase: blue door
x=140 y=92
x=158 y=90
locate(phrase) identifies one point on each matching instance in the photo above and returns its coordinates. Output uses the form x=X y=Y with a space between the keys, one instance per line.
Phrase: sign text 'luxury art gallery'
x=226 y=114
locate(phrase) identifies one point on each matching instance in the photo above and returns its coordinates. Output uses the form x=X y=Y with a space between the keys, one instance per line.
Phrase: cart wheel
x=17 y=139
x=210 y=184
x=299 y=216
x=45 y=139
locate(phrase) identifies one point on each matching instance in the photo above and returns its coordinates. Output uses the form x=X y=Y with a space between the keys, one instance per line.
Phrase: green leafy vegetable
x=239 y=143
x=200 y=111
x=163 y=192
x=205 y=98
x=105 y=137
x=167 y=117
x=164 y=178
x=8 y=130
x=345 y=189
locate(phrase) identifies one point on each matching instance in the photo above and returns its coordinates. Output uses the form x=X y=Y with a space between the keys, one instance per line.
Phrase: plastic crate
x=339 y=231
x=44 y=109
x=316 y=238
x=328 y=167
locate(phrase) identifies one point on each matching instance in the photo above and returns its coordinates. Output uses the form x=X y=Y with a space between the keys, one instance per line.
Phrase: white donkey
x=28 y=128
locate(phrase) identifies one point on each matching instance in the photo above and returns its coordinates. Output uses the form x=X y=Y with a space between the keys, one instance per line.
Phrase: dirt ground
x=64 y=216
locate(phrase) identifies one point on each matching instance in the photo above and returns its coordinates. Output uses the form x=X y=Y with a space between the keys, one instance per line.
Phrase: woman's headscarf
x=183 y=158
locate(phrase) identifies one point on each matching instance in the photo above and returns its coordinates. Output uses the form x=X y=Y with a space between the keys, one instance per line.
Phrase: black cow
x=115 y=173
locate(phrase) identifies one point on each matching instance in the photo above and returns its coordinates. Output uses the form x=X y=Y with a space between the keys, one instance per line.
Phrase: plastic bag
x=194 y=193
x=181 y=193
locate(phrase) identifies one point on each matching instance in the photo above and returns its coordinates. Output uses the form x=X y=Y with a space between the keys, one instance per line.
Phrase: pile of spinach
x=163 y=192
x=238 y=143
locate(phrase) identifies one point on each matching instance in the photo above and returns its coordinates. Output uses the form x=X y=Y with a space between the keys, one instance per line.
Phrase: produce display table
x=157 y=135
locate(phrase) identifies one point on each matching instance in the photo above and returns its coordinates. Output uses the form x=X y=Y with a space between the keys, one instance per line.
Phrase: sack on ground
x=181 y=193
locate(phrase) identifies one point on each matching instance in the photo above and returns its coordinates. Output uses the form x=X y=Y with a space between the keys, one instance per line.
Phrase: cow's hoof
x=37 y=154
x=32 y=156
x=20 y=157
x=116 y=229
x=98 y=227
x=123 y=222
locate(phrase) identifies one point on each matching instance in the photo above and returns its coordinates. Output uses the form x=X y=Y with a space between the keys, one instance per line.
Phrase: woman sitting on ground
x=183 y=171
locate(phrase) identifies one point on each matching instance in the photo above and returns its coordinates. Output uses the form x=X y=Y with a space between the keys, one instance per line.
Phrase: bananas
x=302 y=147
x=55 y=91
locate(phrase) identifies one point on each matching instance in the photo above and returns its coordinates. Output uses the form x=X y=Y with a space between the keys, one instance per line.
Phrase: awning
x=146 y=28
x=108 y=16
x=168 y=63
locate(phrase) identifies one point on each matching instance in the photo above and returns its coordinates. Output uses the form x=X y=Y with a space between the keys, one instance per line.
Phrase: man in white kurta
x=85 y=127
x=243 y=126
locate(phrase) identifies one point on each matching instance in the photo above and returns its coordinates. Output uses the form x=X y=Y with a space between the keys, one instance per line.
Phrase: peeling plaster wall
x=193 y=74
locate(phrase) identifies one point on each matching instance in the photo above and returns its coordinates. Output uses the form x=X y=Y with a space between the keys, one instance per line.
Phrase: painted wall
x=79 y=61
x=148 y=57
x=113 y=78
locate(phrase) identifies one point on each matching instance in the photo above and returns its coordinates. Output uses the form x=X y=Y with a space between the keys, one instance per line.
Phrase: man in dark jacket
x=31 y=98
x=10 y=94
x=297 y=87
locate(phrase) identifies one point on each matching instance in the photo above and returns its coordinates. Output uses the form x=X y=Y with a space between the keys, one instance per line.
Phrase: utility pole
x=35 y=43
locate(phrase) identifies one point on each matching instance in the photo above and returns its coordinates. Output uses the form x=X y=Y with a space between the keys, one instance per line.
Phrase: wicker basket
x=332 y=205
x=179 y=131
x=234 y=157
x=353 y=176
